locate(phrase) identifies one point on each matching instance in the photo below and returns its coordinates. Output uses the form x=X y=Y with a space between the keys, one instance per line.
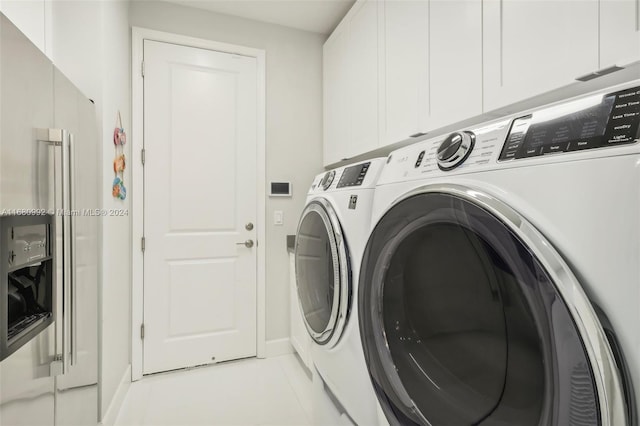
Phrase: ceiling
x=318 y=16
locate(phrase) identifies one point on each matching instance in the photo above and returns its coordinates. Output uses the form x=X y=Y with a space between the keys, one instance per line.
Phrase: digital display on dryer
x=354 y=175
x=593 y=122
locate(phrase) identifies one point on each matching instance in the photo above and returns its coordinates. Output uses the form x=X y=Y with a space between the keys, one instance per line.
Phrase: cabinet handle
x=599 y=73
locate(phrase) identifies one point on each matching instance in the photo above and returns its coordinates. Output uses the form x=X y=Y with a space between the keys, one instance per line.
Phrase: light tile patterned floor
x=273 y=391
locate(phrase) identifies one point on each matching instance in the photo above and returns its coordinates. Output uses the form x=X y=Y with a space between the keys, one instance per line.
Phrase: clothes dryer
x=500 y=284
x=332 y=233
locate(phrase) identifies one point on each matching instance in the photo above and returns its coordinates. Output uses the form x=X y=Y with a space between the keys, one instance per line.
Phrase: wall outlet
x=278 y=217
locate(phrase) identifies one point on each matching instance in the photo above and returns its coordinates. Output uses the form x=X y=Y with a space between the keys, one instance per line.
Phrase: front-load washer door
x=323 y=275
x=468 y=316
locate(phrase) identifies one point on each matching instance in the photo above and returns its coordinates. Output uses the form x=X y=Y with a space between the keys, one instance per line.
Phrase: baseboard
x=278 y=347
x=110 y=417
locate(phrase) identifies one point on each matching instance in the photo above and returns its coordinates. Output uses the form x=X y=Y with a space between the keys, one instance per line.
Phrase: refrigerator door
x=43 y=168
x=77 y=390
x=26 y=387
x=26 y=84
x=26 y=103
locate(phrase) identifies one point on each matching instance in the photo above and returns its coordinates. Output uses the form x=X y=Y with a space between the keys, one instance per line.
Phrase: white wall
x=293 y=125
x=89 y=41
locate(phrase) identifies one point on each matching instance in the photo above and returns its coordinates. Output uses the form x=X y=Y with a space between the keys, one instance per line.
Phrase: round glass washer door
x=323 y=276
x=468 y=316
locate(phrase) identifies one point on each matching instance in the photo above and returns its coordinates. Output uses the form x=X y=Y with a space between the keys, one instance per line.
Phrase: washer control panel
x=458 y=152
x=455 y=149
x=593 y=122
x=601 y=119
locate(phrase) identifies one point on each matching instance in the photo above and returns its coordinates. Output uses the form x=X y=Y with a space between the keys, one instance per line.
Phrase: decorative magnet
x=122 y=137
x=123 y=191
x=119 y=135
x=115 y=191
x=119 y=164
x=118 y=190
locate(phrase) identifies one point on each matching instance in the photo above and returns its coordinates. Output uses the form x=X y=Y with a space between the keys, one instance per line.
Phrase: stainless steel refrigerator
x=49 y=190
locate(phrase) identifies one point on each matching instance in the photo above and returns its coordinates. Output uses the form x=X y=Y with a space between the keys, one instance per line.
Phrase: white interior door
x=200 y=133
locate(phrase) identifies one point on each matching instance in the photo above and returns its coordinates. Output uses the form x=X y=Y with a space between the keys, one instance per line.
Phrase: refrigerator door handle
x=73 y=313
x=66 y=252
x=61 y=138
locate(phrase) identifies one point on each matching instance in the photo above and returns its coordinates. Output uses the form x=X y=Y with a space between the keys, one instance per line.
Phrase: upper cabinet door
x=455 y=61
x=336 y=96
x=533 y=46
x=29 y=17
x=362 y=71
x=404 y=85
x=432 y=65
x=350 y=79
x=619 y=32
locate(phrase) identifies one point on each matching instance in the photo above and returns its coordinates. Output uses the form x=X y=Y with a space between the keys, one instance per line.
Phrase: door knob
x=248 y=226
x=247 y=244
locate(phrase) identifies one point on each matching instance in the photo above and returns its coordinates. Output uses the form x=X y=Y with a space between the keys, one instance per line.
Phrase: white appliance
x=49 y=240
x=500 y=284
x=331 y=236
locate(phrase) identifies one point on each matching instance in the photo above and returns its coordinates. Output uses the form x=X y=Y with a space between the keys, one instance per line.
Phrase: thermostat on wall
x=280 y=189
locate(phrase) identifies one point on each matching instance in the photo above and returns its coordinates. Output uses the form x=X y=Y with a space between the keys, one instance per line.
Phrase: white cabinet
x=432 y=65
x=396 y=68
x=436 y=62
x=350 y=72
x=336 y=100
x=619 y=32
x=362 y=68
x=29 y=16
x=455 y=61
x=533 y=46
x=405 y=76
x=299 y=337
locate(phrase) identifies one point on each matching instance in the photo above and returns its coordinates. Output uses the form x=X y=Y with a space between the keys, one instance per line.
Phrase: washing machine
x=332 y=232
x=500 y=284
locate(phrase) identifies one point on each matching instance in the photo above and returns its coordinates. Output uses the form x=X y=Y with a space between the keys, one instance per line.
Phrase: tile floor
x=273 y=391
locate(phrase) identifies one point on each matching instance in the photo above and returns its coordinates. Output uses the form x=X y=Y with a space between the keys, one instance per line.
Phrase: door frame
x=137 y=205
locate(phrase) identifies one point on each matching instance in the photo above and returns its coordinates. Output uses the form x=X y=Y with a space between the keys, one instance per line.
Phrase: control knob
x=455 y=149
x=327 y=179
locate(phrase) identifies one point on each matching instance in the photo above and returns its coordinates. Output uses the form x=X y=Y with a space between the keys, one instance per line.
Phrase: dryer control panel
x=354 y=175
x=363 y=175
x=594 y=122
x=577 y=126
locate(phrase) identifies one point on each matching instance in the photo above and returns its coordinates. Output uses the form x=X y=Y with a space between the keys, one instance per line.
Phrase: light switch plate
x=278 y=217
